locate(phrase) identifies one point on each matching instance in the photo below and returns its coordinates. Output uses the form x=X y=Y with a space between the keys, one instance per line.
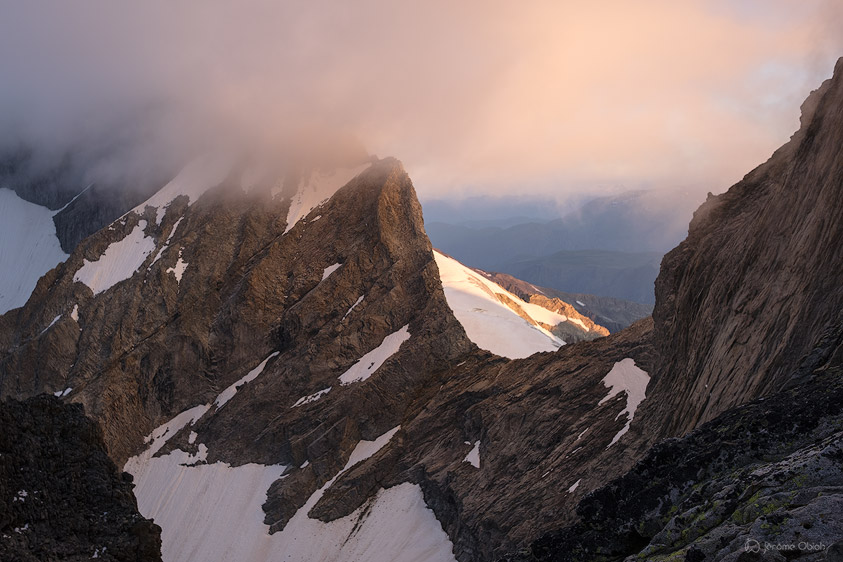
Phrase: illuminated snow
x=119 y=261
x=371 y=362
x=626 y=377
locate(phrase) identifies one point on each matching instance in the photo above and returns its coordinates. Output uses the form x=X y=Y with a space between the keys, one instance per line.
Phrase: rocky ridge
x=613 y=314
x=766 y=473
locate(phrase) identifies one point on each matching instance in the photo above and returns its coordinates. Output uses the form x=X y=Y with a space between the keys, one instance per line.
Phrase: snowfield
x=628 y=378
x=488 y=322
x=29 y=248
x=119 y=261
x=316 y=189
x=213 y=512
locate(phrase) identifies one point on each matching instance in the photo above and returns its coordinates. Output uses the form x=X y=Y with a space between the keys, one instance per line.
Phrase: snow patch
x=574 y=487
x=213 y=513
x=489 y=323
x=166 y=242
x=316 y=189
x=358 y=301
x=29 y=248
x=579 y=322
x=229 y=392
x=371 y=362
x=626 y=377
x=63 y=393
x=580 y=303
x=365 y=450
x=541 y=314
x=311 y=398
x=119 y=261
x=195 y=179
x=329 y=270
x=164 y=432
x=473 y=456
x=178 y=269
x=75 y=313
x=56 y=319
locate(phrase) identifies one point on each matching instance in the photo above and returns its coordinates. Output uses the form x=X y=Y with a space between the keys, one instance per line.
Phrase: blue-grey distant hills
x=609 y=246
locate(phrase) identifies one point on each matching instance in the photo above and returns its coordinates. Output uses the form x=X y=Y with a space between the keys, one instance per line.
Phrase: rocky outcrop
x=590 y=329
x=747 y=309
x=154 y=345
x=613 y=314
x=61 y=497
x=766 y=473
x=750 y=290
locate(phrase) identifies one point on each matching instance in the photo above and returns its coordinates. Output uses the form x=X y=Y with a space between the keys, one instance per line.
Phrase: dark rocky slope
x=748 y=306
x=61 y=497
x=768 y=472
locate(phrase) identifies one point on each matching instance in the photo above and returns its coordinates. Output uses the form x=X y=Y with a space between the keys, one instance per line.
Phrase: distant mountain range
x=609 y=246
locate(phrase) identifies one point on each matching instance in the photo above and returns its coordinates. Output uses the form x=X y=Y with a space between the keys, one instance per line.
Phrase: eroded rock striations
x=768 y=472
x=749 y=292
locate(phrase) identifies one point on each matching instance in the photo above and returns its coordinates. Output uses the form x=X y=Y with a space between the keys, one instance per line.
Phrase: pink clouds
x=556 y=96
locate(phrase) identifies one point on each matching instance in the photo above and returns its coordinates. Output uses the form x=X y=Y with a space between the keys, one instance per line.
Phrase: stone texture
x=61 y=497
x=770 y=471
x=745 y=296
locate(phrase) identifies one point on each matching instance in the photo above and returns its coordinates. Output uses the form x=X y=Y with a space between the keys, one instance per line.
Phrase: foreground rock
x=61 y=497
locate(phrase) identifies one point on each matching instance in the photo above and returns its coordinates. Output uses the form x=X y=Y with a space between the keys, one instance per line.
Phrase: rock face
x=61 y=497
x=747 y=307
x=750 y=290
x=613 y=314
x=768 y=472
x=149 y=347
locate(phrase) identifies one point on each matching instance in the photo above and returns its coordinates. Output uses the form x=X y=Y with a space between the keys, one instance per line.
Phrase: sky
x=556 y=99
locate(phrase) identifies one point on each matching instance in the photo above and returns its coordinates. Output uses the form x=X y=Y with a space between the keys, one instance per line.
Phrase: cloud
x=475 y=97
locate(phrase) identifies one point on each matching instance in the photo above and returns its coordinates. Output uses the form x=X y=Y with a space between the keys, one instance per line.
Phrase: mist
x=552 y=99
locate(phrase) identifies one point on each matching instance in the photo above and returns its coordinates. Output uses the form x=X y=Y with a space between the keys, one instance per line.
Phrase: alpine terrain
x=275 y=360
